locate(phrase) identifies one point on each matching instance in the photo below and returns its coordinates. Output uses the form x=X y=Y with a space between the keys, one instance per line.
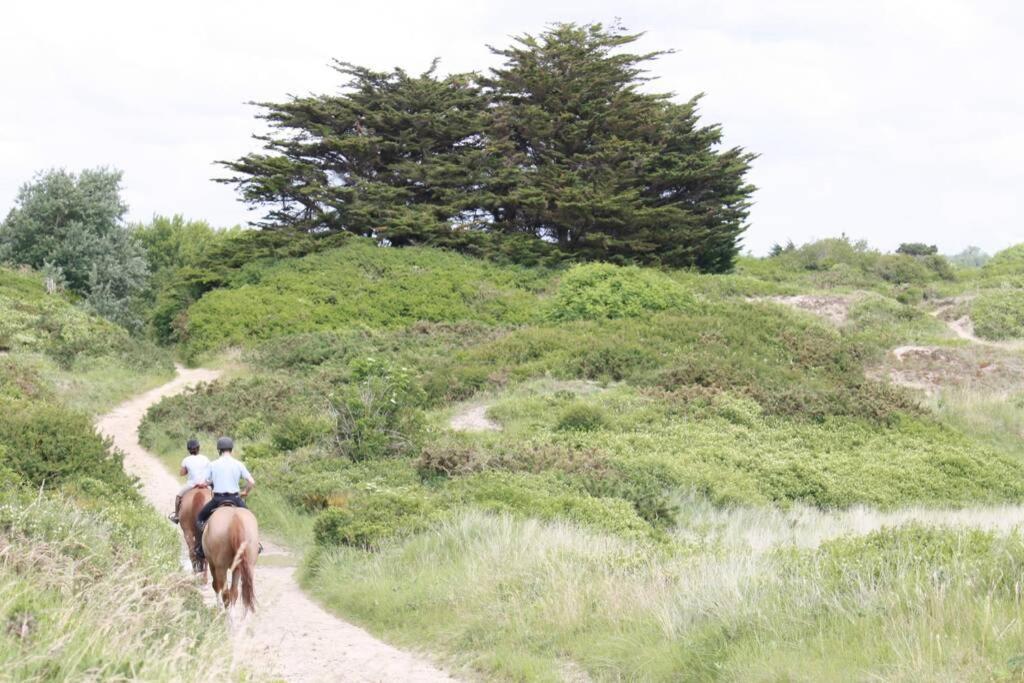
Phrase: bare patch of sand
x=835 y=309
x=473 y=418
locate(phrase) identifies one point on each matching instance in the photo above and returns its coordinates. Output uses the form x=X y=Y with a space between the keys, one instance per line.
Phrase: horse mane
x=236 y=536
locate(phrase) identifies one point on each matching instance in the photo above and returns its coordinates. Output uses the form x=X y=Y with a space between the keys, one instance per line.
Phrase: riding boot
x=200 y=527
x=177 y=508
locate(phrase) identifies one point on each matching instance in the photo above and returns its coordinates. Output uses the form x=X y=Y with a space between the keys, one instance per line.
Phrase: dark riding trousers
x=218 y=500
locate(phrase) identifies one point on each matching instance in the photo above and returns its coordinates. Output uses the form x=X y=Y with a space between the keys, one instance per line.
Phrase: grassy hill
x=49 y=344
x=361 y=285
x=90 y=587
x=646 y=420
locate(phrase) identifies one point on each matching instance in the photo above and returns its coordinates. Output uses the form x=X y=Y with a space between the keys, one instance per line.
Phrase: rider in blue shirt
x=224 y=475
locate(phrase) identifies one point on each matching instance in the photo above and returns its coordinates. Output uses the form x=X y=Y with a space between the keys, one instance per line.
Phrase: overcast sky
x=887 y=120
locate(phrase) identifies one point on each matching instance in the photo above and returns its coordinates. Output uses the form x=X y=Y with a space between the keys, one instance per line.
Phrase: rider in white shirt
x=196 y=468
x=224 y=475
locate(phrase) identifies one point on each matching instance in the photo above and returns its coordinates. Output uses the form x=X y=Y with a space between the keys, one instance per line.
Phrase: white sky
x=889 y=120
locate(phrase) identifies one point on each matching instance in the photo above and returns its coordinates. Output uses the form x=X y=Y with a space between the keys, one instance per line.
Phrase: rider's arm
x=183 y=471
x=250 y=482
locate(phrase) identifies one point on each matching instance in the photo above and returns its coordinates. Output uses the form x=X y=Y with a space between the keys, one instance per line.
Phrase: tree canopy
x=71 y=226
x=560 y=144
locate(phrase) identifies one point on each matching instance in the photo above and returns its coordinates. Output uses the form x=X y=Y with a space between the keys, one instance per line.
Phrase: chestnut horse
x=191 y=503
x=231 y=544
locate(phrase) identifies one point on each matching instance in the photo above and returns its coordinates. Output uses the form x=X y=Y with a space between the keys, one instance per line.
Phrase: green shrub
x=901 y=269
x=372 y=516
x=250 y=428
x=377 y=415
x=361 y=285
x=241 y=256
x=48 y=444
x=877 y=324
x=295 y=431
x=649 y=487
x=933 y=555
x=309 y=349
x=9 y=478
x=791 y=364
x=601 y=290
x=581 y=417
x=999 y=314
x=738 y=409
x=828 y=253
x=1009 y=261
x=550 y=496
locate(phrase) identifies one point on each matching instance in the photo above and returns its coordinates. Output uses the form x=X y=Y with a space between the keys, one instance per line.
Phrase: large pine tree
x=602 y=168
x=395 y=157
x=560 y=143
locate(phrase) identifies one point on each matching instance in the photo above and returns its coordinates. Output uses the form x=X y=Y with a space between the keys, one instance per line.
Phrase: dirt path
x=473 y=418
x=963 y=328
x=289 y=636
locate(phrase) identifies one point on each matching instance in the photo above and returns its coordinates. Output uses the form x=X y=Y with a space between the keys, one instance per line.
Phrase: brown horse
x=231 y=544
x=191 y=503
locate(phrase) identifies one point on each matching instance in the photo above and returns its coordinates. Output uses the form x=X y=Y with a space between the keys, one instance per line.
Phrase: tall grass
x=82 y=601
x=992 y=416
x=523 y=600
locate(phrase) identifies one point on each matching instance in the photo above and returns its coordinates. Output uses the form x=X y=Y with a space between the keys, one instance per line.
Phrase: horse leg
x=190 y=544
x=220 y=579
x=233 y=593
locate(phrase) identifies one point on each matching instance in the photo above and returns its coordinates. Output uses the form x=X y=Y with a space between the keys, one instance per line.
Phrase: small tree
x=71 y=226
x=917 y=249
x=971 y=257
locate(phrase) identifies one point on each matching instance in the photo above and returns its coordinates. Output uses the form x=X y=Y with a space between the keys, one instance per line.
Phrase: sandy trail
x=473 y=418
x=289 y=636
x=963 y=328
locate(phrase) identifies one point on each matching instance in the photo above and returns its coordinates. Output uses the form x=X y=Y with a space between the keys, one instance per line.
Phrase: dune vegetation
x=514 y=397
x=90 y=581
x=698 y=476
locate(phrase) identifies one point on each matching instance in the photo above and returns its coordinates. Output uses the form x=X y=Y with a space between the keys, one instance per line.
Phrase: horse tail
x=241 y=563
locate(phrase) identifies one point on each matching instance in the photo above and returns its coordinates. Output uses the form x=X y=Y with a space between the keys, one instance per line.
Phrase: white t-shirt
x=225 y=473
x=198 y=468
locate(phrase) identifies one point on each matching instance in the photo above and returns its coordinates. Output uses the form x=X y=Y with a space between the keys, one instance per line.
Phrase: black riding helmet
x=225 y=443
x=192 y=446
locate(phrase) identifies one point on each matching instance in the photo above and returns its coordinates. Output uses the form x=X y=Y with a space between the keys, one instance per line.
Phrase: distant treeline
x=557 y=151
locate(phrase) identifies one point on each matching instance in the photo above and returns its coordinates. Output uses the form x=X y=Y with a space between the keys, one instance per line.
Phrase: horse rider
x=196 y=467
x=225 y=473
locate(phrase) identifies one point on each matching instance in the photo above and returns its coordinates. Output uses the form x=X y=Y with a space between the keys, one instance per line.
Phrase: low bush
x=789 y=363
x=582 y=417
x=361 y=285
x=901 y=269
x=297 y=430
x=550 y=496
x=727 y=450
x=601 y=290
x=370 y=516
x=999 y=314
x=378 y=414
x=50 y=445
x=1008 y=262
x=924 y=553
x=877 y=324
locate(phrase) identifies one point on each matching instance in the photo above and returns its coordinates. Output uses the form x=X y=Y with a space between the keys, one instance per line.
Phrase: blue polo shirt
x=225 y=473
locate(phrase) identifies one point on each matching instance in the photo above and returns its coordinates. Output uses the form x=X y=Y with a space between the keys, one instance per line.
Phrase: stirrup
x=174 y=517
